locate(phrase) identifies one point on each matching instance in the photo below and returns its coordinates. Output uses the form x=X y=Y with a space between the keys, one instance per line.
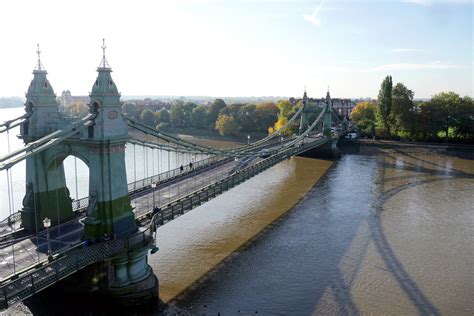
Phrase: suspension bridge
x=112 y=230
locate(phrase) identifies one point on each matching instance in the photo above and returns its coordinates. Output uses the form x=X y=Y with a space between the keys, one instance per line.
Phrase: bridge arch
x=61 y=153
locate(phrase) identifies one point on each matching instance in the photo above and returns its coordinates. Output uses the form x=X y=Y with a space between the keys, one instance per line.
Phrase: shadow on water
x=406 y=283
x=445 y=170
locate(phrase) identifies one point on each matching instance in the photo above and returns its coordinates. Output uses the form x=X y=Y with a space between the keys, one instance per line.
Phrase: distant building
x=341 y=106
x=67 y=99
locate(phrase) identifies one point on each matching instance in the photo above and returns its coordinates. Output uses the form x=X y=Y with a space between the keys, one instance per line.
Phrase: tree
x=226 y=125
x=363 y=111
x=447 y=103
x=163 y=116
x=131 y=111
x=384 y=104
x=214 y=110
x=232 y=110
x=286 y=109
x=199 y=117
x=177 y=114
x=279 y=125
x=363 y=115
x=402 y=109
x=464 y=125
x=431 y=120
x=148 y=117
x=247 y=118
x=267 y=115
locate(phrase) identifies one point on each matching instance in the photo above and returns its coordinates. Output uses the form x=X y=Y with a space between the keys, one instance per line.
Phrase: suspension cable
x=159 y=168
x=57 y=198
x=11 y=203
x=169 y=175
x=77 y=187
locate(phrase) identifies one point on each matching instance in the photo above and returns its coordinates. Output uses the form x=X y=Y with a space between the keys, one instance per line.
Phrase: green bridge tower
x=101 y=146
x=327 y=119
x=304 y=114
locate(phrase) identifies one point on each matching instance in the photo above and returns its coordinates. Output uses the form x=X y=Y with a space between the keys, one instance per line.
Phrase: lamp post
x=248 y=139
x=47 y=225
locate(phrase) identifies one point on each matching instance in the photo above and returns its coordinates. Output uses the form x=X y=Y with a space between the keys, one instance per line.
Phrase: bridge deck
x=29 y=251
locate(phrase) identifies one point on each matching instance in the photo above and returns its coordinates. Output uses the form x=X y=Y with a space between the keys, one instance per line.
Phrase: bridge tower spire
x=304 y=113
x=327 y=120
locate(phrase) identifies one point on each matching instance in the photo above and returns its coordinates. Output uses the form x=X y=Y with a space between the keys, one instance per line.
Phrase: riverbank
x=369 y=147
x=405 y=144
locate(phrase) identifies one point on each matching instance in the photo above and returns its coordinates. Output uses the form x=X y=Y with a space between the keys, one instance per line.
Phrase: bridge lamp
x=248 y=139
x=47 y=225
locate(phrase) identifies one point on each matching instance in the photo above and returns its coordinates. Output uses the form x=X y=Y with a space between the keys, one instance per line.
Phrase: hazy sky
x=241 y=48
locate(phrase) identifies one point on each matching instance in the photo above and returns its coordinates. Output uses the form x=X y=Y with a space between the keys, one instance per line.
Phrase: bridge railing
x=133 y=187
x=46 y=273
x=179 y=206
x=139 y=185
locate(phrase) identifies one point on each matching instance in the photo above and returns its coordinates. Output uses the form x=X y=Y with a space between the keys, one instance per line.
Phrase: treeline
x=226 y=119
x=218 y=117
x=395 y=115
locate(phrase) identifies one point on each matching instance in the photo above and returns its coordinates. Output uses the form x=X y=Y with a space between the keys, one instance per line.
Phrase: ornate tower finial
x=103 y=48
x=39 y=66
x=104 y=63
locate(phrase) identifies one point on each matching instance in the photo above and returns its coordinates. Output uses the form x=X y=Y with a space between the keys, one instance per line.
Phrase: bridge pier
x=327 y=151
x=131 y=279
x=126 y=280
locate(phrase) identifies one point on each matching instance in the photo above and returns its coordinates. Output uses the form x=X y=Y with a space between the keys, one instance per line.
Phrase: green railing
x=63 y=264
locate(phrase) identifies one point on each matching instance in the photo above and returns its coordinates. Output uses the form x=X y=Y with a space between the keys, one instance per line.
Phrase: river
x=379 y=234
x=384 y=233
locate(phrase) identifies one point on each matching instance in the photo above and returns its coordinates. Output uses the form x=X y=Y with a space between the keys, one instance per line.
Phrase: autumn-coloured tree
x=363 y=115
x=226 y=125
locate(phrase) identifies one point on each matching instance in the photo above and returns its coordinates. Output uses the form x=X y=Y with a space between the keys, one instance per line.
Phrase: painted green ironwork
x=327 y=121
